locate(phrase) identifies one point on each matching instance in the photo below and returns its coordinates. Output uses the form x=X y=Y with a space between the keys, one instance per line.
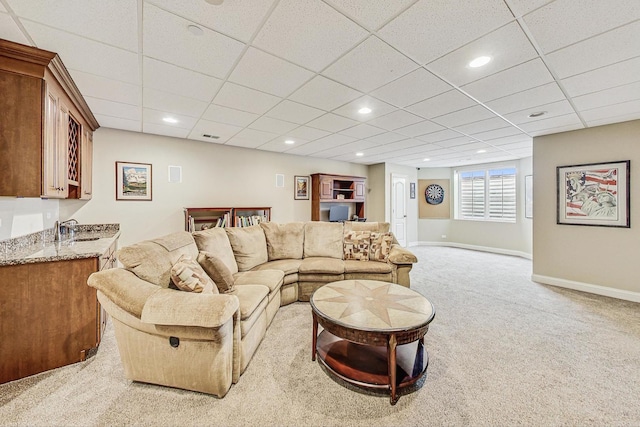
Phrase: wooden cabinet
x=327 y=190
x=196 y=219
x=43 y=126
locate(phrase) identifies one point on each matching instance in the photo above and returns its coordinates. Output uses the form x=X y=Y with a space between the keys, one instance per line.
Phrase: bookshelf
x=196 y=219
x=328 y=190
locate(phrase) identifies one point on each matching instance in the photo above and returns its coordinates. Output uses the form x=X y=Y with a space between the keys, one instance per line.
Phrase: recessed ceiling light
x=195 y=30
x=169 y=120
x=215 y=2
x=364 y=110
x=537 y=114
x=359 y=154
x=290 y=141
x=426 y=160
x=481 y=151
x=480 y=61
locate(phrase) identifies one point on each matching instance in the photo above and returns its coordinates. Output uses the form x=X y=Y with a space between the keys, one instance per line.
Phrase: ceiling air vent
x=206 y=135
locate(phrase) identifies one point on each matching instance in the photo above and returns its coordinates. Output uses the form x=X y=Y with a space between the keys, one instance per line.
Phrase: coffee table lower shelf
x=367 y=366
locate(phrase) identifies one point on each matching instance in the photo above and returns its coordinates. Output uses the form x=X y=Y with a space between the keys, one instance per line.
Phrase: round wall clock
x=434 y=194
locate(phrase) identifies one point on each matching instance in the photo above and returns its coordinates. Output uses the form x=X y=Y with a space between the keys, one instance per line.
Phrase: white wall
x=515 y=238
x=20 y=216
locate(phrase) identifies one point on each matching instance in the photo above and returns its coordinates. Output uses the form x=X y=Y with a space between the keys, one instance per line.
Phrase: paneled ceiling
x=257 y=73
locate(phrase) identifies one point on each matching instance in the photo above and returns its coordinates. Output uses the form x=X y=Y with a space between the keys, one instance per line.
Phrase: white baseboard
x=588 y=287
x=474 y=248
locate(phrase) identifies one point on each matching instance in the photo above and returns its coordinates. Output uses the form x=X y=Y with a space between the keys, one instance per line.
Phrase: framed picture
x=133 y=181
x=528 y=196
x=301 y=188
x=594 y=194
x=412 y=190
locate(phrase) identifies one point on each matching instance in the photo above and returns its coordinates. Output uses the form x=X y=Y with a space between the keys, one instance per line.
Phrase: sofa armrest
x=124 y=288
x=177 y=308
x=400 y=255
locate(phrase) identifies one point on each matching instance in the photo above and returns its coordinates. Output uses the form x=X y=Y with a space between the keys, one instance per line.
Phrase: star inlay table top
x=373 y=331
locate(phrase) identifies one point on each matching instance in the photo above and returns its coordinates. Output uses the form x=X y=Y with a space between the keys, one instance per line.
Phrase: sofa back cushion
x=284 y=241
x=152 y=260
x=249 y=246
x=215 y=241
x=373 y=226
x=323 y=239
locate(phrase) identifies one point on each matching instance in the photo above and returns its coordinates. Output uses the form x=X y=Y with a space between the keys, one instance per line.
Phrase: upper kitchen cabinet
x=46 y=127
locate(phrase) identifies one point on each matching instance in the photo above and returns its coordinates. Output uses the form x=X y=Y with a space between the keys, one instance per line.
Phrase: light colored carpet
x=503 y=351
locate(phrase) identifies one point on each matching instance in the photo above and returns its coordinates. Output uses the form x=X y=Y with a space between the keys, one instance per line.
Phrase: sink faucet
x=64 y=228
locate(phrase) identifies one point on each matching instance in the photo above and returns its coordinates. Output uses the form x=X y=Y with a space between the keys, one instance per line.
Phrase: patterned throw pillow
x=356 y=245
x=188 y=276
x=380 y=246
x=217 y=270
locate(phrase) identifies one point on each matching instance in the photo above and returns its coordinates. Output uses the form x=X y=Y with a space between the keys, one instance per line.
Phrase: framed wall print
x=301 y=188
x=412 y=190
x=594 y=194
x=133 y=181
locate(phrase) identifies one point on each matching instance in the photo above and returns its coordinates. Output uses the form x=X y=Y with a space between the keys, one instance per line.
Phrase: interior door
x=399 y=208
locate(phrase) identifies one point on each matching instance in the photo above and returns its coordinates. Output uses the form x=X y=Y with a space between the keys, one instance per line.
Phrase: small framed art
x=133 y=181
x=301 y=188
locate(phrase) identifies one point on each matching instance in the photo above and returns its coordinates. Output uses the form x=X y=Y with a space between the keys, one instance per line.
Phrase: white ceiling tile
x=461 y=117
x=565 y=22
x=110 y=22
x=237 y=18
x=552 y=123
x=630 y=108
x=614 y=119
x=441 y=135
x=455 y=142
x=370 y=65
x=105 y=88
x=378 y=108
x=414 y=87
x=180 y=81
x=276 y=126
x=482 y=126
x=241 y=98
x=118 y=123
x=608 y=48
x=442 y=104
x=293 y=112
x=607 y=97
x=114 y=109
x=559 y=108
x=171 y=103
x=164 y=130
x=507 y=46
x=506 y=132
x=521 y=137
x=332 y=123
x=251 y=138
x=385 y=138
x=307 y=133
x=603 y=78
x=278 y=144
x=107 y=61
x=421 y=128
x=322 y=144
x=325 y=94
x=527 y=99
x=165 y=36
x=517 y=145
x=395 y=120
x=156 y=117
x=221 y=130
x=346 y=149
x=522 y=7
x=362 y=131
x=2 y=8
x=320 y=33
x=556 y=129
x=370 y=15
x=516 y=79
x=265 y=72
x=230 y=116
x=10 y=31
x=430 y=29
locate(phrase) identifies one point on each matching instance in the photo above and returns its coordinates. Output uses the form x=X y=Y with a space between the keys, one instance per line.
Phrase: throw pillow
x=356 y=245
x=218 y=271
x=188 y=276
x=380 y=246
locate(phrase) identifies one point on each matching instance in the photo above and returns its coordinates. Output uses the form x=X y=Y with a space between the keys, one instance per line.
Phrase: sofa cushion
x=367 y=267
x=356 y=245
x=215 y=241
x=323 y=239
x=217 y=270
x=378 y=227
x=270 y=278
x=250 y=297
x=320 y=265
x=152 y=260
x=249 y=246
x=284 y=241
x=188 y=276
x=288 y=266
x=380 y=246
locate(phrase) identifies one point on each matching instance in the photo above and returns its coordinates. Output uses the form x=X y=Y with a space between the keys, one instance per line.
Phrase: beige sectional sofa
x=204 y=342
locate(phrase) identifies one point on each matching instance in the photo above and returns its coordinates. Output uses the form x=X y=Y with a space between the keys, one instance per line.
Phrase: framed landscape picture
x=301 y=188
x=133 y=181
x=594 y=194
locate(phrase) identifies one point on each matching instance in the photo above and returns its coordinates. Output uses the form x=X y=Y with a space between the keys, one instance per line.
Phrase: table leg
x=391 y=357
x=314 y=341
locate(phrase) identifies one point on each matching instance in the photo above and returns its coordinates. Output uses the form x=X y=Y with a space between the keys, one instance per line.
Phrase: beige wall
x=511 y=238
x=602 y=260
x=212 y=175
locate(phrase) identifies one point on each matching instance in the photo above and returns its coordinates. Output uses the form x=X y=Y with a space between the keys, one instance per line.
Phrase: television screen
x=338 y=213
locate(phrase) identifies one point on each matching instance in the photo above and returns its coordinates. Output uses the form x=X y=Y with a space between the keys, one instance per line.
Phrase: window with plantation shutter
x=488 y=194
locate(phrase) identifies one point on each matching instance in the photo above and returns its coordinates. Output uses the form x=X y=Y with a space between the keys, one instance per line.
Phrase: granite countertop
x=40 y=247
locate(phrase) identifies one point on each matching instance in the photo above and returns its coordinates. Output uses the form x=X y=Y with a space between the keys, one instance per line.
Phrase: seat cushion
x=321 y=265
x=270 y=278
x=367 y=267
x=215 y=241
x=249 y=246
x=250 y=298
x=284 y=241
x=323 y=239
x=288 y=266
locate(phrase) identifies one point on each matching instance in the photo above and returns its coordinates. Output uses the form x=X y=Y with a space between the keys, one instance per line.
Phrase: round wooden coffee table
x=373 y=333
